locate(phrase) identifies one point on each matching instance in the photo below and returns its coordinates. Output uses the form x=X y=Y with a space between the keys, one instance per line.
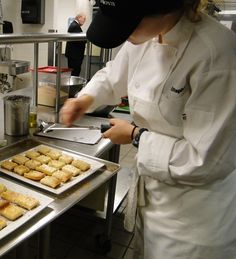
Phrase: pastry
x=82 y=165
x=3 y=188
x=11 y=212
x=9 y=165
x=62 y=176
x=46 y=169
x=43 y=149
x=66 y=159
x=26 y=201
x=20 y=159
x=32 y=154
x=43 y=159
x=21 y=169
x=32 y=164
x=50 y=181
x=9 y=195
x=3 y=223
x=54 y=154
x=71 y=169
x=56 y=163
x=34 y=175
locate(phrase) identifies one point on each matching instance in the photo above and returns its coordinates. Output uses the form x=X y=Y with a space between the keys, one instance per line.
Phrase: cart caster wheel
x=103 y=243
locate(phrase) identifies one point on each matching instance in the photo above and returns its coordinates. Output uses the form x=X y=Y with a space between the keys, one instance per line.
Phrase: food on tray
x=71 y=169
x=3 y=203
x=43 y=159
x=50 y=181
x=9 y=165
x=66 y=159
x=62 y=176
x=43 y=149
x=9 y=195
x=54 y=154
x=56 y=163
x=11 y=212
x=34 y=175
x=22 y=200
x=46 y=169
x=21 y=169
x=32 y=154
x=26 y=201
x=3 y=188
x=20 y=159
x=3 y=223
x=32 y=164
x=82 y=165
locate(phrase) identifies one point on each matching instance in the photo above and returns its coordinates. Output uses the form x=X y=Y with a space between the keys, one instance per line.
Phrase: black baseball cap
x=115 y=20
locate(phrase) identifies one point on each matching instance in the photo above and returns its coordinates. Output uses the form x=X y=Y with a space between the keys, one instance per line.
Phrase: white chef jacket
x=184 y=93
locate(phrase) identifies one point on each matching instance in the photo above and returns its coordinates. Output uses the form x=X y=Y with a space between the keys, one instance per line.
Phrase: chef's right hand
x=74 y=108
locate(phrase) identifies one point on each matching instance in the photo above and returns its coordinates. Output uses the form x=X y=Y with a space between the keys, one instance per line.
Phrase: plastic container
x=16 y=115
x=49 y=74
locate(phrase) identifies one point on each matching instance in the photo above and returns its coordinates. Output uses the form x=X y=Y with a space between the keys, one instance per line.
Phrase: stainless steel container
x=16 y=115
x=73 y=84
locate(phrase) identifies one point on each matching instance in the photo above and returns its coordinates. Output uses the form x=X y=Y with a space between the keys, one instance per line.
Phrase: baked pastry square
x=56 y=163
x=20 y=159
x=50 y=181
x=9 y=195
x=26 y=201
x=9 y=165
x=62 y=176
x=11 y=212
x=32 y=154
x=46 y=169
x=71 y=169
x=21 y=169
x=43 y=149
x=32 y=164
x=54 y=154
x=34 y=175
x=43 y=159
x=66 y=159
x=3 y=203
x=82 y=165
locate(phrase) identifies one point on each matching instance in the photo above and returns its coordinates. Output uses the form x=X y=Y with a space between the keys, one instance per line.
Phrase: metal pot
x=16 y=115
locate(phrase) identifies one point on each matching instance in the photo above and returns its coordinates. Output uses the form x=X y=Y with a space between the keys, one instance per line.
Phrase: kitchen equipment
x=74 y=83
x=16 y=115
x=47 y=128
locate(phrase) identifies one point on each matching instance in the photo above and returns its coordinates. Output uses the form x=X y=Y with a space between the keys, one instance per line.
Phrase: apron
x=173 y=221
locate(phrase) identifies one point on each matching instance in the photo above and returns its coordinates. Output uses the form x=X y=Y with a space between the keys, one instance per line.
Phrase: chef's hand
x=74 y=108
x=120 y=132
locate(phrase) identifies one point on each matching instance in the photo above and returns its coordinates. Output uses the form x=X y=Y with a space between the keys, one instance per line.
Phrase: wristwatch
x=136 y=139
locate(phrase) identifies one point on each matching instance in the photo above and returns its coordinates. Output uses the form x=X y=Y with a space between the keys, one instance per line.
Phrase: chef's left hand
x=120 y=131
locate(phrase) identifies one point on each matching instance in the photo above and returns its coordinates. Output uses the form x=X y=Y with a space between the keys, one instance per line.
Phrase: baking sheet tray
x=43 y=200
x=95 y=165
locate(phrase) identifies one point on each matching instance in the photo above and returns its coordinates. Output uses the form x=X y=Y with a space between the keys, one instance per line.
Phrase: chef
x=178 y=67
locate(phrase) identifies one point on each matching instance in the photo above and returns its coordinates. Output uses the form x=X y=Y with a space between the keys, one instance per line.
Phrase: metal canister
x=16 y=115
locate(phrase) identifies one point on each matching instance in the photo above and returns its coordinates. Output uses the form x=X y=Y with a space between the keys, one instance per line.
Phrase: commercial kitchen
x=83 y=217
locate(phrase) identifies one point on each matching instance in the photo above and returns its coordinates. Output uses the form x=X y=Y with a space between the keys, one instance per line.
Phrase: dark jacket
x=75 y=49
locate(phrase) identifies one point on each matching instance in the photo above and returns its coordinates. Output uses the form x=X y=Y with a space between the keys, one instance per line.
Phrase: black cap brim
x=110 y=32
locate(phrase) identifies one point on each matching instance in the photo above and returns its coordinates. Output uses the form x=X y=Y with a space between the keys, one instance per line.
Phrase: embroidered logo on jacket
x=109 y=3
x=178 y=91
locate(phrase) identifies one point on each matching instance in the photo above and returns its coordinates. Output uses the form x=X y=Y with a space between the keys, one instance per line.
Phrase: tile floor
x=74 y=233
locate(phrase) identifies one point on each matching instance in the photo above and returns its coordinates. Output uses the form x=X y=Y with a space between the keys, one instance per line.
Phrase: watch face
x=135 y=141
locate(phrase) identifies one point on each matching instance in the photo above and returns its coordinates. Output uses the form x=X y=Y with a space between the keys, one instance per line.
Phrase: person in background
x=75 y=49
x=178 y=67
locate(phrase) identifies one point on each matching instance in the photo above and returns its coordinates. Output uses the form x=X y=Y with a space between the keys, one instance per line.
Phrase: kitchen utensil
x=47 y=128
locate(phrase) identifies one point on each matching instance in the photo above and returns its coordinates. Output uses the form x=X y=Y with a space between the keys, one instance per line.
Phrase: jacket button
x=137 y=85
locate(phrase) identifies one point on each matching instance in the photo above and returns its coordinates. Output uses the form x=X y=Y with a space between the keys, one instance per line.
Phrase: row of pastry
x=14 y=204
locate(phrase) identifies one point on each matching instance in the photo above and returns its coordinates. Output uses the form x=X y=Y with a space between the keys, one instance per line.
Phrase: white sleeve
x=208 y=147
x=109 y=84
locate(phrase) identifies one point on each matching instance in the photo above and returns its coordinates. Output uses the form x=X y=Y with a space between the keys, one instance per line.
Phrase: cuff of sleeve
x=154 y=155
